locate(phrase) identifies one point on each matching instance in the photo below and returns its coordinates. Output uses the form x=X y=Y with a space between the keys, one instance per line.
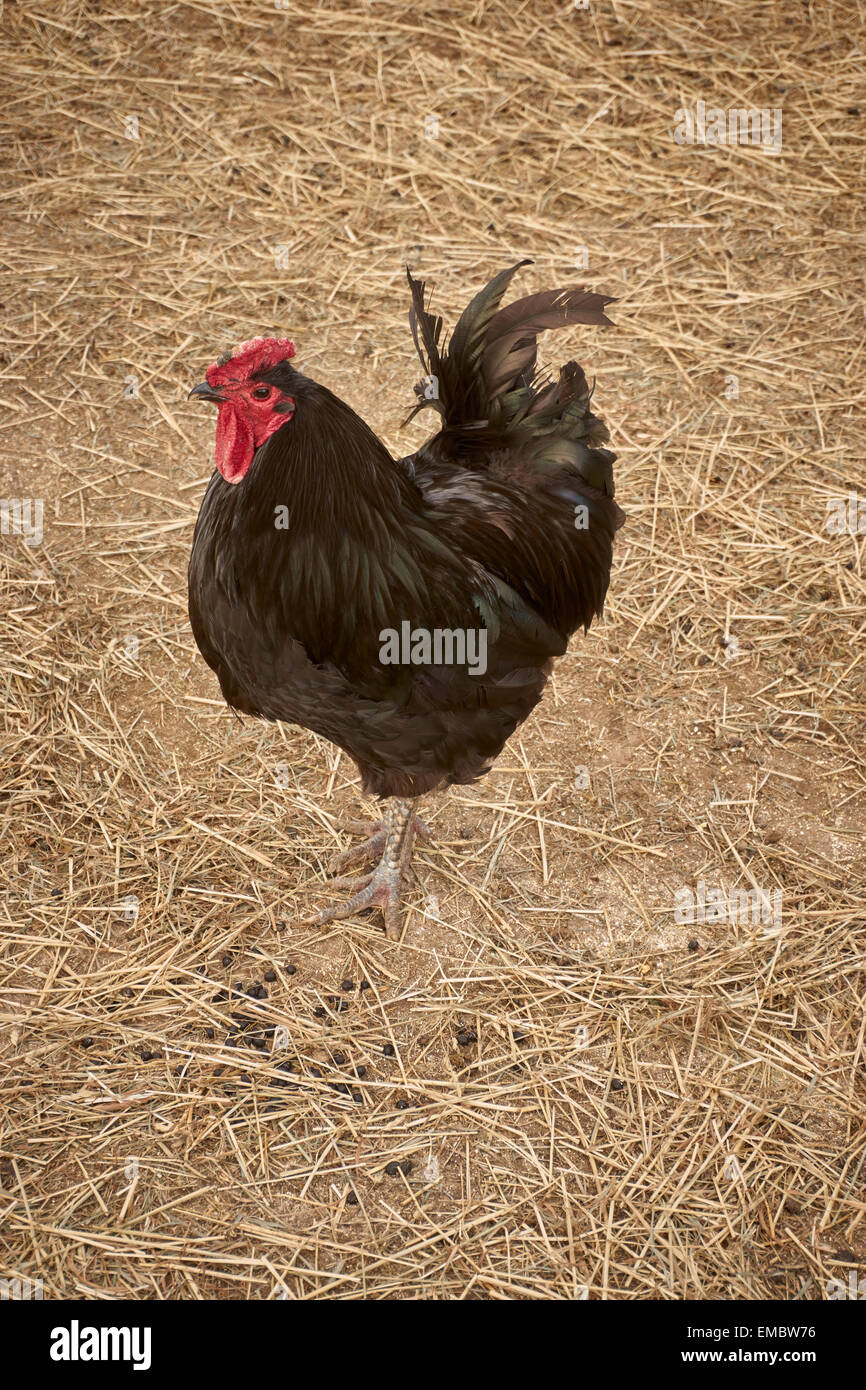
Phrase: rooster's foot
x=360 y=827
x=352 y=883
x=381 y=887
x=360 y=854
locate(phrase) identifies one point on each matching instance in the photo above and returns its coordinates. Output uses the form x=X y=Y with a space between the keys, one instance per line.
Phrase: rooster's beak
x=204 y=392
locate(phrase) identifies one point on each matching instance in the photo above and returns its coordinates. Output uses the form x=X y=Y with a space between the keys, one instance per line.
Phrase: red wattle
x=235 y=446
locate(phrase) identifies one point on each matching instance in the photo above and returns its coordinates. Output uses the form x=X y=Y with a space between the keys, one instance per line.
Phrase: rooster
x=408 y=610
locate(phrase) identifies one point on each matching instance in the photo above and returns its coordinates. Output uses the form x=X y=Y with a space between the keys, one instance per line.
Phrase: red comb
x=254 y=355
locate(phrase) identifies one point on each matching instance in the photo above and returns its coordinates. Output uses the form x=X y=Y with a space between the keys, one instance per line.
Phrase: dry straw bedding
x=551 y=1086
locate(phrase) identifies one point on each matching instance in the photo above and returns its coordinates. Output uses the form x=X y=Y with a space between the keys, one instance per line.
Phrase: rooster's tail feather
x=486 y=387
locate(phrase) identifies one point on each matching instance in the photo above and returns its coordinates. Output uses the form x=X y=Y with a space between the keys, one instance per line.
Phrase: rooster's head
x=252 y=398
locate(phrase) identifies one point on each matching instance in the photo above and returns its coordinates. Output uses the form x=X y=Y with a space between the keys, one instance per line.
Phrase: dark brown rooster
x=408 y=610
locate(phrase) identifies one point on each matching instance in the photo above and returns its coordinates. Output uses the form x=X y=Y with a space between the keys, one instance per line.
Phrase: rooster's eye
x=261 y=393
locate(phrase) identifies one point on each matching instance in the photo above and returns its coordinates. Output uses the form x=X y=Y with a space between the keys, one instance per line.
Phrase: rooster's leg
x=381 y=888
x=372 y=848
